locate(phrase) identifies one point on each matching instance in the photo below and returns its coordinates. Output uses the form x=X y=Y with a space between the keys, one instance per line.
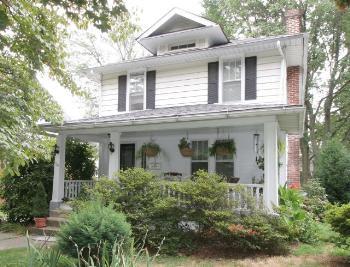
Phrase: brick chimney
x=293 y=20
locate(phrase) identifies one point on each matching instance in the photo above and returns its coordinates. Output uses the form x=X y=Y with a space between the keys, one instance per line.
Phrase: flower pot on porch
x=186 y=152
x=150 y=152
x=233 y=180
x=40 y=222
x=223 y=151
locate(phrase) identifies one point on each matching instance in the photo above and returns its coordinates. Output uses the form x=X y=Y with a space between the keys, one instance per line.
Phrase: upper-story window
x=231 y=80
x=182 y=46
x=136 y=91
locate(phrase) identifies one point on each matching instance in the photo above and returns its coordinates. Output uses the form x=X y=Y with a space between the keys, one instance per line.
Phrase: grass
x=12 y=257
x=322 y=254
x=17 y=228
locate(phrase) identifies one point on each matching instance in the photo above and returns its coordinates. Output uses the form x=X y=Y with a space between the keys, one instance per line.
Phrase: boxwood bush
x=91 y=228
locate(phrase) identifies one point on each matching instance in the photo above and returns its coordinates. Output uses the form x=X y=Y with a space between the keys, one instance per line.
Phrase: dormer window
x=182 y=46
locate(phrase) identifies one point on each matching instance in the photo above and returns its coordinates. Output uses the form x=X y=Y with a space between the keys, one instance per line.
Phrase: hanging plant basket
x=149 y=149
x=223 y=148
x=185 y=148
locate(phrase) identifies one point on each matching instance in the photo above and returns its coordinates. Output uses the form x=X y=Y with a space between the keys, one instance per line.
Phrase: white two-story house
x=200 y=86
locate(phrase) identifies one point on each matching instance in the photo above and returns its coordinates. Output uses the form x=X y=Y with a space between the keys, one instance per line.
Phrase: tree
x=333 y=171
x=80 y=160
x=328 y=62
x=91 y=48
x=31 y=41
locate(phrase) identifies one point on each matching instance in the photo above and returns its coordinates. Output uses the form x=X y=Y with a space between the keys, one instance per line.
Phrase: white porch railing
x=72 y=188
x=242 y=197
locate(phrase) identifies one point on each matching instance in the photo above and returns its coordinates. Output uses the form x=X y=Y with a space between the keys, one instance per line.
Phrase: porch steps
x=56 y=219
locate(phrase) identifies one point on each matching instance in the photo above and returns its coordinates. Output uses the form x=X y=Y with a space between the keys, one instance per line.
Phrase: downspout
x=283 y=71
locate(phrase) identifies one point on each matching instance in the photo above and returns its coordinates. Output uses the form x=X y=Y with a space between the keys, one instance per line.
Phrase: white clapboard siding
x=186 y=85
x=109 y=95
x=269 y=79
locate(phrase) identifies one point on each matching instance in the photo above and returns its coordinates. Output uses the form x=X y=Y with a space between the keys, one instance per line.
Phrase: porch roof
x=289 y=116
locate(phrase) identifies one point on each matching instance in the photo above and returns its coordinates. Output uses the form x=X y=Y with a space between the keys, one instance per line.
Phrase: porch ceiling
x=290 y=119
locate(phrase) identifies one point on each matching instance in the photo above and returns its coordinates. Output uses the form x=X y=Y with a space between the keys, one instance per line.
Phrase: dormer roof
x=177 y=24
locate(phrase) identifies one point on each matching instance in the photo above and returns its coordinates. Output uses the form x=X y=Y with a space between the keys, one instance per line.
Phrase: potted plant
x=185 y=147
x=225 y=147
x=149 y=149
x=40 y=207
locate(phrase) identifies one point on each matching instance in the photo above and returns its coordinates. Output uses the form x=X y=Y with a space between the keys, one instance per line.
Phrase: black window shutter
x=150 y=89
x=250 y=78
x=122 y=93
x=213 y=82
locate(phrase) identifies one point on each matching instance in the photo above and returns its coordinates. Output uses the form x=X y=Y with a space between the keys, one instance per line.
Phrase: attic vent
x=182 y=46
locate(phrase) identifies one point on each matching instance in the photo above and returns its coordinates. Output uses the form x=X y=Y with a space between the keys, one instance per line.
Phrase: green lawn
x=322 y=254
x=13 y=257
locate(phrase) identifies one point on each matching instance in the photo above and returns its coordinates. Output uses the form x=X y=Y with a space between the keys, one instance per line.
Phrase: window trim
x=221 y=78
x=226 y=160
x=144 y=71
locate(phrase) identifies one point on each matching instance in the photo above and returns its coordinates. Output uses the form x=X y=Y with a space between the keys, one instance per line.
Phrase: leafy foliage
x=196 y=214
x=24 y=102
x=339 y=218
x=40 y=205
x=18 y=191
x=92 y=226
x=80 y=160
x=333 y=171
x=227 y=145
x=255 y=232
x=299 y=224
x=315 y=201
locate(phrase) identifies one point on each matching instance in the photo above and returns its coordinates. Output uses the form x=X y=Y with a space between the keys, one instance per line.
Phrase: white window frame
x=221 y=78
x=128 y=89
x=183 y=43
x=200 y=160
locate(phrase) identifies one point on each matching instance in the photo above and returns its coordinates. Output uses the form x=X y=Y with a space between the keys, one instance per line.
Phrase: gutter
x=283 y=69
x=178 y=118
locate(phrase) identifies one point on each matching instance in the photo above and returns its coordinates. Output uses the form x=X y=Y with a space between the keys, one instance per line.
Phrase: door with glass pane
x=127 y=156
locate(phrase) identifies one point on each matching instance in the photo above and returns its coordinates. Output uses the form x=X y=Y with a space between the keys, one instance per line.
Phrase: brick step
x=55 y=221
x=46 y=231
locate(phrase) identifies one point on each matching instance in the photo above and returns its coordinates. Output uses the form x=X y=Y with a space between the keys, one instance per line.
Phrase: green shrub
x=332 y=168
x=205 y=200
x=40 y=205
x=80 y=160
x=92 y=226
x=299 y=223
x=18 y=191
x=148 y=210
x=339 y=218
x=257 y=232
x=315 y=200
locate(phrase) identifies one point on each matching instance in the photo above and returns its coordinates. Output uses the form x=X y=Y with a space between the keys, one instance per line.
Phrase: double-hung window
x=225 y=165
x=231 y=80
x=199 y=156
x=136 y=91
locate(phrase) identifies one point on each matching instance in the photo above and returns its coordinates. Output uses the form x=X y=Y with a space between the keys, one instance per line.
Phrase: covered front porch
x=254 y=137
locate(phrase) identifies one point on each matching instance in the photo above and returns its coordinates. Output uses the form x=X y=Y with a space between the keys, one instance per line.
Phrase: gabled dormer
x=180 y=30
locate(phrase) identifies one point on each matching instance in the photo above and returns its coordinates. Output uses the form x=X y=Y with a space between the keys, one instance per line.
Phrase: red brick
x=293 y=21
x=293 y=168
x=293 y=76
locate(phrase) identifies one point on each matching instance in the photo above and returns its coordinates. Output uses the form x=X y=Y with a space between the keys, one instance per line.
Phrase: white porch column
x=271 y=164
x=113 y=166
x=103 y=160
x=58 y=177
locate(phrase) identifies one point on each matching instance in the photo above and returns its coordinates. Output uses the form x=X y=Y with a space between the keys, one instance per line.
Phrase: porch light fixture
x=56 y=149
x=256 y=140
x=111 y=147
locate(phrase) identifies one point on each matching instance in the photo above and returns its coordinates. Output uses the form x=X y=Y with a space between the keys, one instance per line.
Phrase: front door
x=127 y=156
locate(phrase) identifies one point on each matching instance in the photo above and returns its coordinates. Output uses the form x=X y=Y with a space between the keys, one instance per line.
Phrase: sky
x=149 y=11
